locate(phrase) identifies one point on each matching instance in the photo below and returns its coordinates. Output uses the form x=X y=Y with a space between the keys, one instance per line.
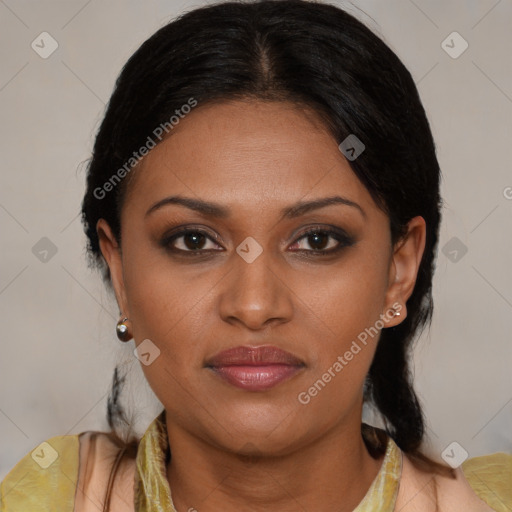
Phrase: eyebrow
x=216 y=210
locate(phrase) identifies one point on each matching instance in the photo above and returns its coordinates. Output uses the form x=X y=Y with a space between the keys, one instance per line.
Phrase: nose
x=256 y=294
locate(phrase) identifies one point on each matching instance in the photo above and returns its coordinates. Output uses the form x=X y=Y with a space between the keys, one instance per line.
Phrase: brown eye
x=323 y=241
x=193 y=240
x=318 y=241
x=189 y=241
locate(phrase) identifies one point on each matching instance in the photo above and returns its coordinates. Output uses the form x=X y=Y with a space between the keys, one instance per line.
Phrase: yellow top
x=45 y=479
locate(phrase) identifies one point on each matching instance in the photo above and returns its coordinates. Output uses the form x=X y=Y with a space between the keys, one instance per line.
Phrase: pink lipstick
x=255 y=368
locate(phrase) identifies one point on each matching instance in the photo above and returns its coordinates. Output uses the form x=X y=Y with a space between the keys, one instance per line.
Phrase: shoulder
x=44 y=479
x=69 y=473
x=98 y=455
x=490 y=477
x=419 y=491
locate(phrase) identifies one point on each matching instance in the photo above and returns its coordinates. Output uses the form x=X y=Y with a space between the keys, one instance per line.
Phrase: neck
x=331 y=474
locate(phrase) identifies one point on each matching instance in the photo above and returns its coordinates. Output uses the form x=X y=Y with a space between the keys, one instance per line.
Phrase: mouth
x=255 y=368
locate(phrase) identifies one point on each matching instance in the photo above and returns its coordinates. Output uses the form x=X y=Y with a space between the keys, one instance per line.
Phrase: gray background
x=58 y=345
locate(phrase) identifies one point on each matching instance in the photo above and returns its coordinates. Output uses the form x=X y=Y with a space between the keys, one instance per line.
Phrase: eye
x=318 y=239
x=194 y=242
x=191 y=241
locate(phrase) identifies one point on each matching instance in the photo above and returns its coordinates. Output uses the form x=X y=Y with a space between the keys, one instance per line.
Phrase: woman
x=263 y=198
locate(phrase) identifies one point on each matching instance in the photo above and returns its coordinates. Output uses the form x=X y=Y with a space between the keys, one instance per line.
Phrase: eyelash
x=341 y=237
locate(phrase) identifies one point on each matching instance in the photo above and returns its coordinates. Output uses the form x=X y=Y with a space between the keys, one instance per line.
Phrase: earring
x=396 y=312
x=122 y=330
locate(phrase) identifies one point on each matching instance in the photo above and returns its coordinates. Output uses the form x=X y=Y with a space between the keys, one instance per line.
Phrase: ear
x=403 y=269
x=111 y=251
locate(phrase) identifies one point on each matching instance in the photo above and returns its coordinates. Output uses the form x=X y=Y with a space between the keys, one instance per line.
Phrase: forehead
x=248 y=153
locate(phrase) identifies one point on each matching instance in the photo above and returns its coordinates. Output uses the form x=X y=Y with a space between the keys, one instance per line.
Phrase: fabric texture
x=490 y=476
x=30 y=486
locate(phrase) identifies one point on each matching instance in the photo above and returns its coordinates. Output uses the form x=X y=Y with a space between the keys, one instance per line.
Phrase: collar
x=153 y=494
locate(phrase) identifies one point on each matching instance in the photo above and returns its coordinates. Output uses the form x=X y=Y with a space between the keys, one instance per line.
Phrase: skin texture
x=234 y=449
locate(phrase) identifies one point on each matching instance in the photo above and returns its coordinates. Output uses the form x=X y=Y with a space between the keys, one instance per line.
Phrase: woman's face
x=251 y=278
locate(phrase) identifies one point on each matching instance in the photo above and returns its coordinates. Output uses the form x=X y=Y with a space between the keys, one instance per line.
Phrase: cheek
x=343 y=316
x=169 y=306
x=344 y=300
x=162 y=308
x=168 y=310
x=346 y=327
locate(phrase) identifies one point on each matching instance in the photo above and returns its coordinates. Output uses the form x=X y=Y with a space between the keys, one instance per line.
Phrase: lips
x=255 y=368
